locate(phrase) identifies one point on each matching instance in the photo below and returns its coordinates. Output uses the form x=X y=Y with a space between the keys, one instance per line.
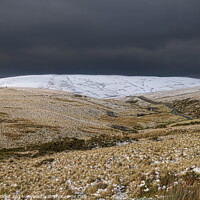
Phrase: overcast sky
x=130 y=37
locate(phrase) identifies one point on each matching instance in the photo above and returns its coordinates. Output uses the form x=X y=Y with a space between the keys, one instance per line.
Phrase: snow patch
x=101 y=86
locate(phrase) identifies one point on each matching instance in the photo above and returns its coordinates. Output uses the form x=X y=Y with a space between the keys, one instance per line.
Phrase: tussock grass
x=138 y=169
x=187 y=123
x=188 y=188
x=12 y=136
x=69 y=101
x=51 y=145
x=189 y=106
x=3 y=114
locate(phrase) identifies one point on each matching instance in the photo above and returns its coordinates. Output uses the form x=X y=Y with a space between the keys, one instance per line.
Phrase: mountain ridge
x=101 y=86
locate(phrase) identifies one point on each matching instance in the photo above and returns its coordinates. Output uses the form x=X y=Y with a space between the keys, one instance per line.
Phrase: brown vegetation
x=56 y=143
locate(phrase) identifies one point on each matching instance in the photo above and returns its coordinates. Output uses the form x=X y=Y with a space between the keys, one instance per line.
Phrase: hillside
x=100 y=86
x=80 y=147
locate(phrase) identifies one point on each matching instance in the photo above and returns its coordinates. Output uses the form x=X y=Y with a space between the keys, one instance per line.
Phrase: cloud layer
x=140 y=37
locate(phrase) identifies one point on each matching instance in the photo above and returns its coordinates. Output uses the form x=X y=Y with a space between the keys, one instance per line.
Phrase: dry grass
x=142 y=168
x=51 y=146
x=188 y=106
x=44 y=116
x=12 y=136
x=187 y=189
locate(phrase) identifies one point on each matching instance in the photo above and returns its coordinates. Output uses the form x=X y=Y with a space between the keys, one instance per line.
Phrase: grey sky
x=132 y=37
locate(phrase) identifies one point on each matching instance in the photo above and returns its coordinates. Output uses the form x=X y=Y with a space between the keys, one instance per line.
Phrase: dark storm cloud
x=133 y=37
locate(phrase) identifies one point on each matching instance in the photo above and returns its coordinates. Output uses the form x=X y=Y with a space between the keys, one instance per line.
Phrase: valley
x=80 y=147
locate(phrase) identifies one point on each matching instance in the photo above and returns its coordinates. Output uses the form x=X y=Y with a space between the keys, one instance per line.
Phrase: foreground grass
x=146 y=167
x=187 y=189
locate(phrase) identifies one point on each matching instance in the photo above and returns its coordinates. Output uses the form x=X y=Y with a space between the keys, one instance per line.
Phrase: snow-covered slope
x=101 y=86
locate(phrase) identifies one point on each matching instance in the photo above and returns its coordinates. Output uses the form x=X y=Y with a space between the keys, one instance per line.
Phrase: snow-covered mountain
x=101 y=86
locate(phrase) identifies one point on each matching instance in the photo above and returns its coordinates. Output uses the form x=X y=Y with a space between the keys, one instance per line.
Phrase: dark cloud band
x=139 y=37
